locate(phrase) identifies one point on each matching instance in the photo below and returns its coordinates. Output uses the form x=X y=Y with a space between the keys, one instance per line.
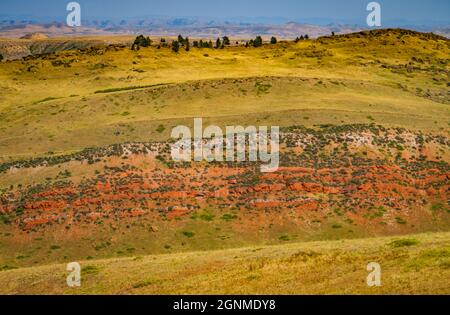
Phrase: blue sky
x=413 y=11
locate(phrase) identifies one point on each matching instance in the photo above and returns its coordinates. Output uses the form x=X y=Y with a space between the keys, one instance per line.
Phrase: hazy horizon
x=395 y=13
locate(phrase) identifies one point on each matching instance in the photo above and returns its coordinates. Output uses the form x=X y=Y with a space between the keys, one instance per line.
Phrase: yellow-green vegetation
x=417 y=264
x=58 y=104
x=78 y=99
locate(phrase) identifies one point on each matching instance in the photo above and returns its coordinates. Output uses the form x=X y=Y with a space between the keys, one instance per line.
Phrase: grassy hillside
x=86 y=172
x=50 y=104
x=417 y=264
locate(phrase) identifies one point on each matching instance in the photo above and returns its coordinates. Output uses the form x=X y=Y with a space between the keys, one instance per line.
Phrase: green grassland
x=417 y=264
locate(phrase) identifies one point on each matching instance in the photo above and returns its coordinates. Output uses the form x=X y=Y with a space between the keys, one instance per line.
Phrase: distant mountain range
x=16 y=27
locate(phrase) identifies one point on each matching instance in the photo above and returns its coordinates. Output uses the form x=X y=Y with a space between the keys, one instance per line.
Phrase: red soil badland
x=138 y=198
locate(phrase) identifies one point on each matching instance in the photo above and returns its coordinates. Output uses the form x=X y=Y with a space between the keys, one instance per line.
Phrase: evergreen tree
x=218 y=43
x=175 y=46
x=258 y=41
x=142 y=41
x=210 y=44
x=306 y=36
x=200 y=44
x=333 y=33
x=226 y=41
x=302 y=38
x=180 y=39
x=188 y=45
x=273 y=40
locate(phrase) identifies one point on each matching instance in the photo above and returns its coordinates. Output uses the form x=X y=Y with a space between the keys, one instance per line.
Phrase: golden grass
x=417 y=264
x=55 y=108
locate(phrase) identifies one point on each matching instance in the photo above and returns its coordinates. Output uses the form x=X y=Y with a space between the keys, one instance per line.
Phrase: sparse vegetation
x=90 y=270
x=404 y=242
x=301 y=268
x=96 y=162
x=188 y=234
x=141 y=41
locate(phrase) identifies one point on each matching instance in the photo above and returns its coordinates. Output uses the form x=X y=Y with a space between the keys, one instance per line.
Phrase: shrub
x=207 y=216
x=5 y=218
x=141 y=41
x=19 y=211
x=175 y=46
x=160 y=129
x=188 y=234
x=6 y=267
x=437 y=207
x=218 y=43
x=285 y=238
x=400 y=220
x=90 y=270
x=404 y=242
x=257 y=42
x=226 y=41
x=142 y=284
x=229 y=217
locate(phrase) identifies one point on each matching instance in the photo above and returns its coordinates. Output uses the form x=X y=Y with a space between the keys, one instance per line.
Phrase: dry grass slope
x=50 y=104
x=417 y=264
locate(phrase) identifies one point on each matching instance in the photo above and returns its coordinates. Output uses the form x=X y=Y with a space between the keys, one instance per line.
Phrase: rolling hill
x=86 y=173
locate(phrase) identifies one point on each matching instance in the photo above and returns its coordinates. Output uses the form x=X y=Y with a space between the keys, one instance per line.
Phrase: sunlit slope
x=94 y=97
x=418 y=264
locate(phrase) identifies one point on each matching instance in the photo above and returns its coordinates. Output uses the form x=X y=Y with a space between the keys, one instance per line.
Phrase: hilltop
x=35 y=36
x=396 y=78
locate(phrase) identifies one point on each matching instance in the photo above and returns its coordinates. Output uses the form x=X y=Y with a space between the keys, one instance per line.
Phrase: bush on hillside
x=226 y=41
x=257 y=42
x=141 y=41
x=218 y=43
